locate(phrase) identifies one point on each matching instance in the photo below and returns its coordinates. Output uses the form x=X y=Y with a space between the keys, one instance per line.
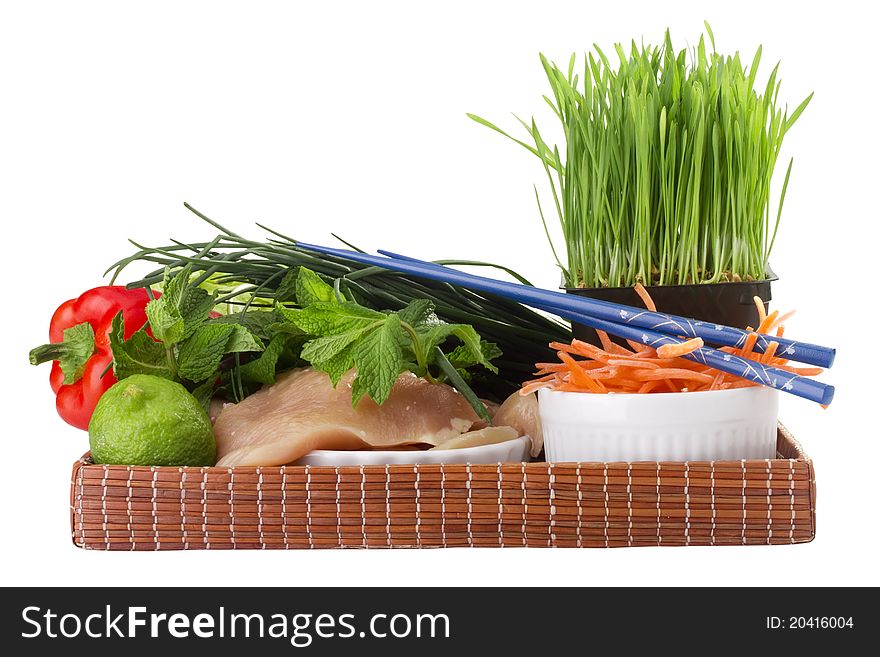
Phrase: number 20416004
x=809 y=623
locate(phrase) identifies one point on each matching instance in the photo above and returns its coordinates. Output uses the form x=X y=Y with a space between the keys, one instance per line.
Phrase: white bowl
x=510 y=451
x=677 y=426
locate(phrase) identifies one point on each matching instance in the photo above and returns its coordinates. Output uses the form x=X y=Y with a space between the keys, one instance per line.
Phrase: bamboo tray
x=752 y=502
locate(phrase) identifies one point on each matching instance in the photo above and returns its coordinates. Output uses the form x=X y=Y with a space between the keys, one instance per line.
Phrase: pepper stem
x=46 y=352
x=72 y=353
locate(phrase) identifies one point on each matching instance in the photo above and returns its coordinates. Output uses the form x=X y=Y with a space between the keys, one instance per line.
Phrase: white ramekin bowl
x=687 y=426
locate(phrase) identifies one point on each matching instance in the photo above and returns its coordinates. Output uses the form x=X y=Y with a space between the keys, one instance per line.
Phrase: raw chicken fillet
x=303 y=412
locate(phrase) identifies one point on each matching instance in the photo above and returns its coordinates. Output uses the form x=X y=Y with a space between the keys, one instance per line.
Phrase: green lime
x=148 y=420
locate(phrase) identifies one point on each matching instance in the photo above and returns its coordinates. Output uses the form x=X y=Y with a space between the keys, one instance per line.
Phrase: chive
x=459 y=384
x=230 y=260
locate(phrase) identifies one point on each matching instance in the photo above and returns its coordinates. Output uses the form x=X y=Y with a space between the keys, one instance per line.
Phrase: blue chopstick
x=555 y=302
x=772 y=377
x=544 y=299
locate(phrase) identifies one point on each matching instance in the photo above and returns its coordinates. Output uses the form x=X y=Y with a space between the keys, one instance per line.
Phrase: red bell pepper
x=80 y=347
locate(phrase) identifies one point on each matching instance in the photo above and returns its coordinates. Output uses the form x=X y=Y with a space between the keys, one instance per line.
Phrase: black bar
x=514 y=621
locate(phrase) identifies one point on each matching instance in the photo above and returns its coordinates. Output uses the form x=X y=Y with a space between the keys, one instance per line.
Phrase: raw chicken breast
x=521 y=413
x=484 y=436
x=303 y=412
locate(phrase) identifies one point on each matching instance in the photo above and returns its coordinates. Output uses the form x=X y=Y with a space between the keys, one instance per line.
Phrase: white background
x=350 y=117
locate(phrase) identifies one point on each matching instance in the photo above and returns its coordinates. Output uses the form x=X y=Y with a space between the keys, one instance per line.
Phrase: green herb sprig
x=186 y=345
x=381 y=346
x=665 y=173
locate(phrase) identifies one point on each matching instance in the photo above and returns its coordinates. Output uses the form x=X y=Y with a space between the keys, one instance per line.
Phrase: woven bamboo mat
x=752 y=502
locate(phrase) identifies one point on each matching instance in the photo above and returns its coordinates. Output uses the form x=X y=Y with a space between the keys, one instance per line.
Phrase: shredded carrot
x=670 y=373
x=670 y=386
x=612 y=368
x=612 y=347
x=561 y=346
x=587 y=350
x=749 y=345
x=769 y=353
x=680 y=349
x=604 y=373
x=604 y=340
x=768 y=321
x=639 y=348
x=778 y=324
x=800 y=371
x=645 y=297
x=632 y=362
x=762 y=311
x=549 y=368
x=741 y=383
x=578 y=376
x=716 y=381
x=547 y=377
x=533 y=386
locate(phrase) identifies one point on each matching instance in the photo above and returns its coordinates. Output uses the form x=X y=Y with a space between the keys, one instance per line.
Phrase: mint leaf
x=378 y=358
x=285 y=328
x=310 y=288
x=462 y=357
x=346 y=335
x=337 y=366
x=195 y=308
x=199 y=357
x=328 y=318
x=165 y=321
x=258 y=322
x=286 y=290
x=418 y=312
x=173 y=286
x=491 y=351
x=321 y=350
x=180 y=310
x=433 y=336
x=263 y=369
x=241 y=339
x=140 y=354
x=205 y=393
x=333 y=353
x=471 y=341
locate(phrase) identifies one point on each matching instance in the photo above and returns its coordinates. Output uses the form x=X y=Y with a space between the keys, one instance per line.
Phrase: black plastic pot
x=731 y=304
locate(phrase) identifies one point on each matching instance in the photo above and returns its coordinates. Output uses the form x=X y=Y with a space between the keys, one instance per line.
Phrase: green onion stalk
x=247 y=274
